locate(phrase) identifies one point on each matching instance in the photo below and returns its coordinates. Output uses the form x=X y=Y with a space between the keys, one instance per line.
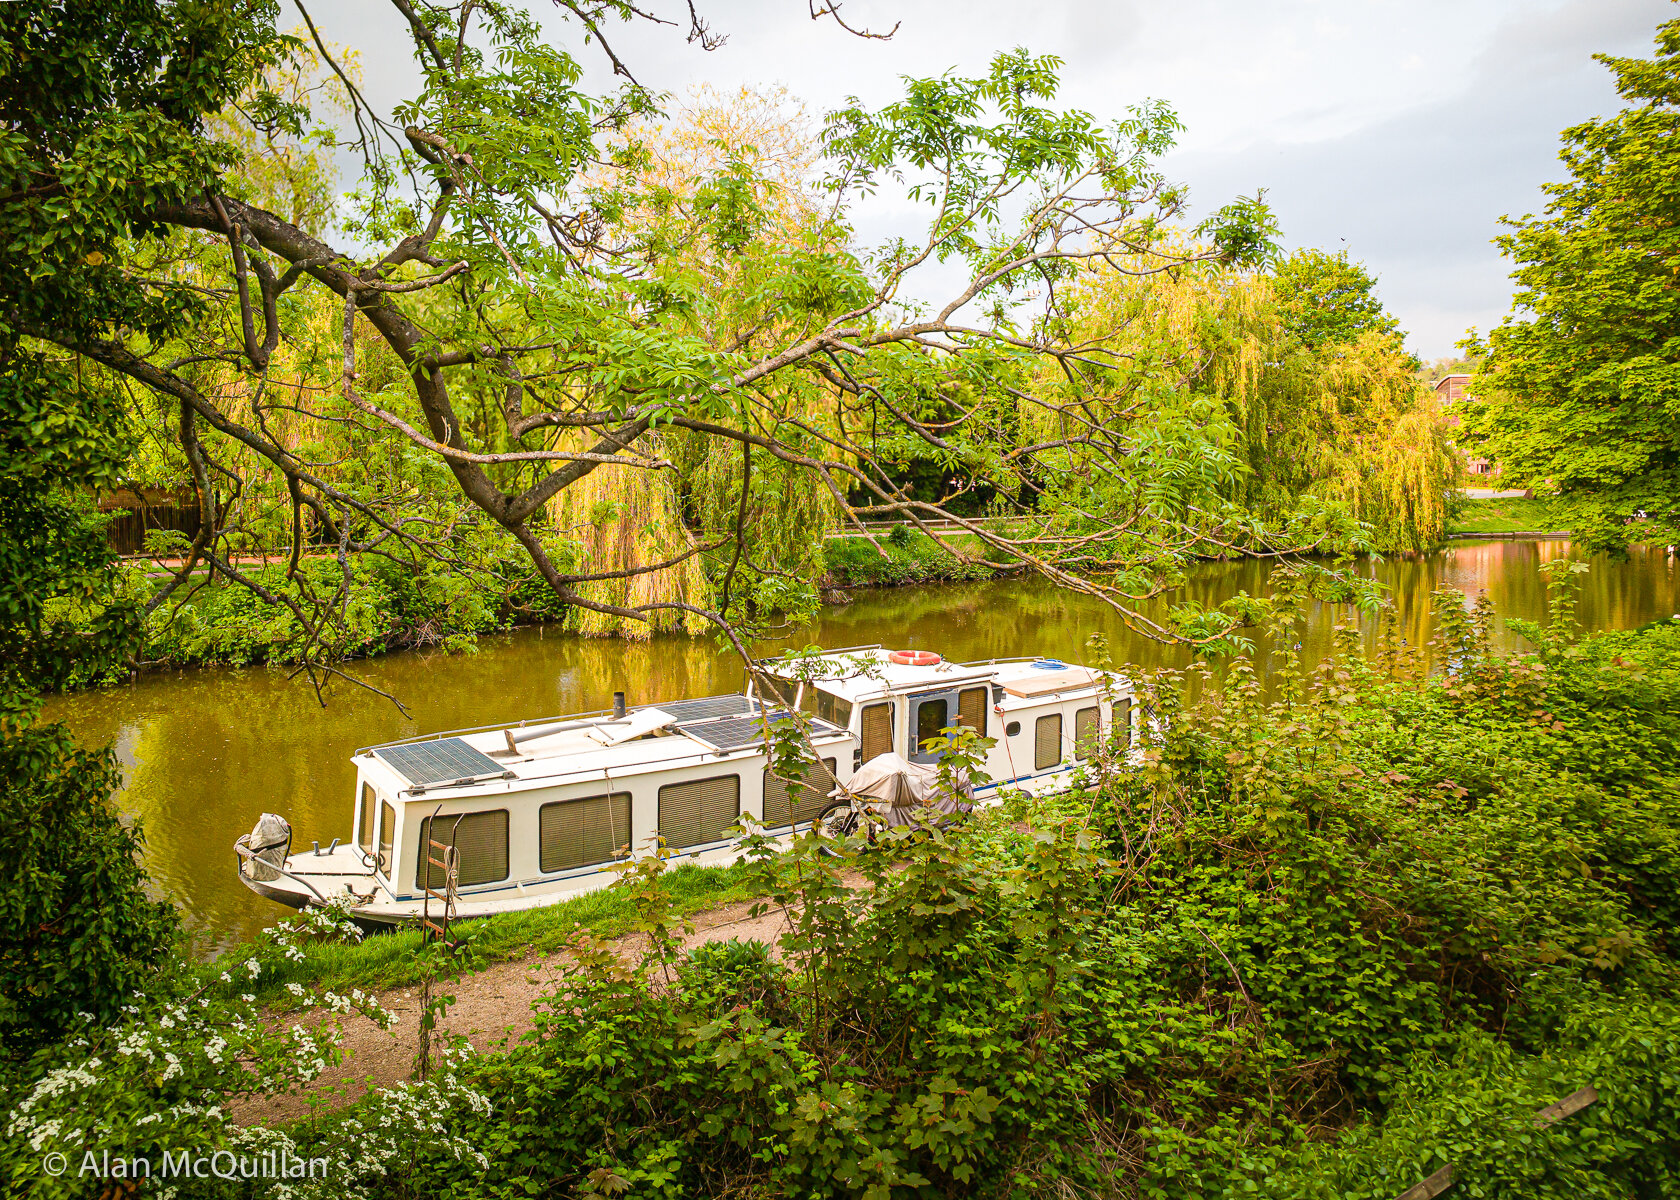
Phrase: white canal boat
x=537 y=810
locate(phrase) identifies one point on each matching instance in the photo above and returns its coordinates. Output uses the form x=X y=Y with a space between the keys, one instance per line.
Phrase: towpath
x=492 y=1010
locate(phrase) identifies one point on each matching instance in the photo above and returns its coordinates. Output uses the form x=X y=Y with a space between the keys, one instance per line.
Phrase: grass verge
x=388 y=960
x=1515 y=515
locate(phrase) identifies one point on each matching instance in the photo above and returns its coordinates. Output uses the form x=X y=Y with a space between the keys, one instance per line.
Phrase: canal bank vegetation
x=903 y=555
x=389 y=960
x=1517 y=514
x=1321 y=945
x=1561 y=515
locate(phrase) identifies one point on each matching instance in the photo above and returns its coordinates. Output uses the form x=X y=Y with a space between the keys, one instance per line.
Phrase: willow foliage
x=1333 y=420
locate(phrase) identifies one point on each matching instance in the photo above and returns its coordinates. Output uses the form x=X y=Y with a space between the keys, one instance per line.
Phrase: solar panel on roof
x=732 y=733
x=707 y=708
x=440 y=761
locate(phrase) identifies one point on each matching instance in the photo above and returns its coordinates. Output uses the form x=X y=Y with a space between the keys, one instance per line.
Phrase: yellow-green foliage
x=1346 y=422
x=620 y=518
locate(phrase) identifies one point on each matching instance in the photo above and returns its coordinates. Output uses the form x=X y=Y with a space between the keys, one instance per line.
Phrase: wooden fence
x=1439 y=1182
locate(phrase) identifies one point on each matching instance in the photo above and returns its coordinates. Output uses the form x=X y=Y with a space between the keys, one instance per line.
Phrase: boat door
x=930 y=713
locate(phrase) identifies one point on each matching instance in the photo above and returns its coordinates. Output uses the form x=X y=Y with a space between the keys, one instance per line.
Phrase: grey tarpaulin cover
x=268 y=840
x=896 y=788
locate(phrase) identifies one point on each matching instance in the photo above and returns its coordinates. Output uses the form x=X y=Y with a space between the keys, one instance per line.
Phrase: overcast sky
x=1400 y=129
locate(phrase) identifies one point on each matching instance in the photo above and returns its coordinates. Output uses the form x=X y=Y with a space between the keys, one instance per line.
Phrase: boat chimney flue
x=618 y=706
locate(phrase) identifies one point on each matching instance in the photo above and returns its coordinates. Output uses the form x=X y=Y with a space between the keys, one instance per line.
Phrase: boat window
x=364 y=823
x=826 y=707
x=1047 y=751
x=810 y=798
x=1012 y=729
x=387 y=836
x=581 y=832
x=877 y=730
x=1085 y=726
x=700 y=811
x=971 y=709
x=1123 y=719
x=780 y=690
x=480 y=837
x=931 y=717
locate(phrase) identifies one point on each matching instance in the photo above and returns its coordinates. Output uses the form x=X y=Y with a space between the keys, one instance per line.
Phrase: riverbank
x=1538 y=517
x=387 y=960
x=1520 y=516
x=386 y=607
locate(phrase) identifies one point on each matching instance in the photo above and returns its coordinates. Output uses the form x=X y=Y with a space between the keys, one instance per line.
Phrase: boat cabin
x=537 y=806
x=1046 y=716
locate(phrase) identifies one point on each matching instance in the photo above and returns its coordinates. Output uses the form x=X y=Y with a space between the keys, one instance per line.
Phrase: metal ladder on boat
x=450 y=865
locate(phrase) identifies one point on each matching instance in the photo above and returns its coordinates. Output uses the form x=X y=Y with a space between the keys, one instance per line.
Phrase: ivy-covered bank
x=903 y=555
x=1317 y=947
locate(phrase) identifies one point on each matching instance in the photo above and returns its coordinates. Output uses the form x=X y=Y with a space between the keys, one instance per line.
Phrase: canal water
x=205 y=752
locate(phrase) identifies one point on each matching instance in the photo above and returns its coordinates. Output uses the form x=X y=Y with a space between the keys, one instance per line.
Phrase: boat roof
x=648 y=737
x=868 y=672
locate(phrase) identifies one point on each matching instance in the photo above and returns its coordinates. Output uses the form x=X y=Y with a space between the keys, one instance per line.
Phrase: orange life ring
x=915 y=658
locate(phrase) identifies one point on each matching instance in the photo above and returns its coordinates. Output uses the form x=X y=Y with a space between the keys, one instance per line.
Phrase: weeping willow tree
x=620 y=520
x=729 y=192
x=1381 y=442
x=1301 y=417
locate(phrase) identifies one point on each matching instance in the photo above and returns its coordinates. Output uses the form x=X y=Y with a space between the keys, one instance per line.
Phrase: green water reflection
x=205 y=752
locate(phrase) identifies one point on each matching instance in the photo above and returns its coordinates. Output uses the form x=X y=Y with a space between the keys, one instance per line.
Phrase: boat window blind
x=582 y=832
x=971 y=709
x=1123 y=720
x=877 y=730
x=364 y=826
x=811 y=797
x=480 y=837
x=693 y=813
x=1085 y=726
x=1047 y=742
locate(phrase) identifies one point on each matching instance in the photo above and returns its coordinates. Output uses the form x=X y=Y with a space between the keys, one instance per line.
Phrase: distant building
x=1449 y=393
x=1449 y=389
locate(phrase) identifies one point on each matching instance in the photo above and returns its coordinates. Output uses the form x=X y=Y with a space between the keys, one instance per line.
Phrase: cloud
x=1418 y=195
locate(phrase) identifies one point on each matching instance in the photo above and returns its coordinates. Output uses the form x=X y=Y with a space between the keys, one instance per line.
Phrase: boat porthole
x=1013 y=728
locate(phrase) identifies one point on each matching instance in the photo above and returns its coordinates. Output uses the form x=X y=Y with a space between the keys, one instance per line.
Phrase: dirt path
x=492 y=1009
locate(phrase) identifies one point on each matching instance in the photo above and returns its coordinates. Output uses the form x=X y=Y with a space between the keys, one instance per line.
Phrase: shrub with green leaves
x=78 y=934
x=905 y=556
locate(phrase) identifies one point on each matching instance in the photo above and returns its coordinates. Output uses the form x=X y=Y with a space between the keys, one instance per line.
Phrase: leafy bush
x=78 y=935
x=384 y=605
